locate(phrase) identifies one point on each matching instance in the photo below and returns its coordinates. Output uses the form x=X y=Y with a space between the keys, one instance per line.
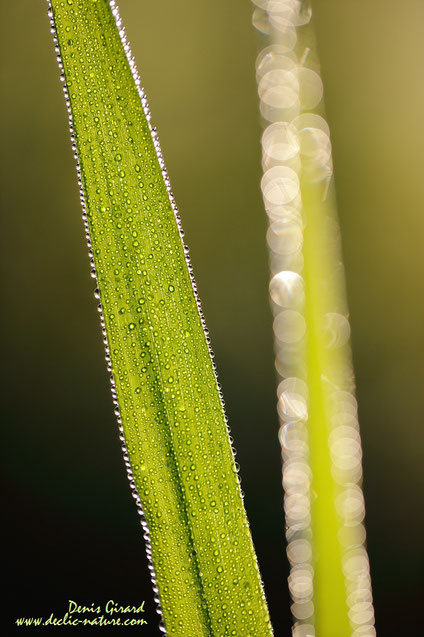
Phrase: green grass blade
x=329 y=579
x=167 y=400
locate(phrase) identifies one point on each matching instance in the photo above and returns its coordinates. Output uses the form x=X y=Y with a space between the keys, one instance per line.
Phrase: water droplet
x=279 y=89
x=292 y=406
x=311 y=88
x=289 y=326
x=280 y=185
x=287 y=289
x=279 y=143
x=285 y=235
x=337 y=329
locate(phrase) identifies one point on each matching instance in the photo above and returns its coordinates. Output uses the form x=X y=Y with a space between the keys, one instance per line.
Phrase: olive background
x=70 y=524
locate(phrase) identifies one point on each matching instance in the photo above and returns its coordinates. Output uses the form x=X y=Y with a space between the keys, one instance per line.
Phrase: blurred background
x=72 y=531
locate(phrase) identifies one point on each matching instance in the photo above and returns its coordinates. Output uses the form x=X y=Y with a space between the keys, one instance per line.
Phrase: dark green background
x=71 y=526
